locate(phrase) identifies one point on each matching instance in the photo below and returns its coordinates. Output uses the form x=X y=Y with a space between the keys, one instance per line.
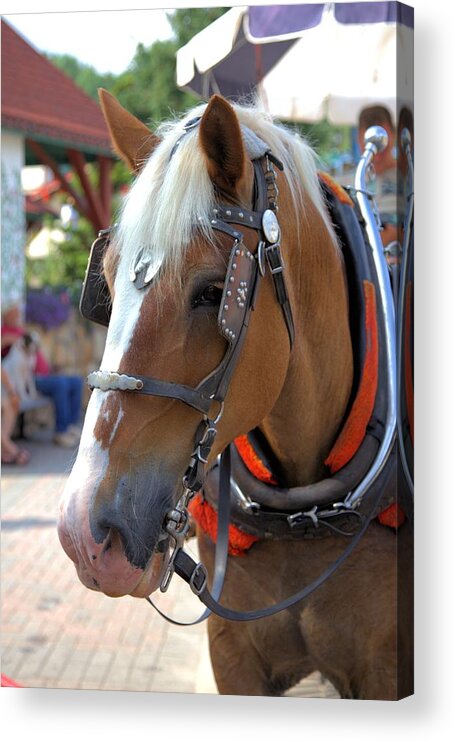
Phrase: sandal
x=21 y=457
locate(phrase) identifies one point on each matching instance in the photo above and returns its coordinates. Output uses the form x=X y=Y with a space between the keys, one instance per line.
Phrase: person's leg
x=11 y=453
x=75 y=386
x=57 y=388
x=8 y=421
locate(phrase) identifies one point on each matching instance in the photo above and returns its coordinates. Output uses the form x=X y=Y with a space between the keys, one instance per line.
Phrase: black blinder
x=95 y=303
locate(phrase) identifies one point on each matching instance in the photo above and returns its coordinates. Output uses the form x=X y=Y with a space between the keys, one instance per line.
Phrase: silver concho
x=142 y=269
x=270 y=226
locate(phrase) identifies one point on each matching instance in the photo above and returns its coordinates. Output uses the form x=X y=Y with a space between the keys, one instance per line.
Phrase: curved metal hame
x=375 y=141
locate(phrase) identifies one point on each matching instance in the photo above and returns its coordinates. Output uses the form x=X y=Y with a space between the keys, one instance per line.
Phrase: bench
x=29 y=405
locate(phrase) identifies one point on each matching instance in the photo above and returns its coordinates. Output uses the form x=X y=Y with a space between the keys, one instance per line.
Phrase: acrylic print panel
x=254 y=390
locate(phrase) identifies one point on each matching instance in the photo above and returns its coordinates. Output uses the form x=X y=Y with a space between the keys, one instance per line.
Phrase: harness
x=336 y=501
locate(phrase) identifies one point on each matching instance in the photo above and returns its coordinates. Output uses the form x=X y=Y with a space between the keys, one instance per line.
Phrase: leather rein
x=243 y=279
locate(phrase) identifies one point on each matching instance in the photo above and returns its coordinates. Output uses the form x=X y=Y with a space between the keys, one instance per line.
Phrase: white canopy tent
x=313 y=62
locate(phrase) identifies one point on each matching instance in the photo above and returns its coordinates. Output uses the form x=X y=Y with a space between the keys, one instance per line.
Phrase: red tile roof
x=41 y=101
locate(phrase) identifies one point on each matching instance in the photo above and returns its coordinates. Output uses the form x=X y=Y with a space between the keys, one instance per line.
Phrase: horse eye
x=209 y=297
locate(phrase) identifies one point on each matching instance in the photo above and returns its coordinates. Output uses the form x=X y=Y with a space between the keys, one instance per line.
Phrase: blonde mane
x=174 y=193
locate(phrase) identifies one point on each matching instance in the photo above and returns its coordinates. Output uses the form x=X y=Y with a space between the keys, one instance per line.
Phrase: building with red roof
x=46 y=119
x=41 y=101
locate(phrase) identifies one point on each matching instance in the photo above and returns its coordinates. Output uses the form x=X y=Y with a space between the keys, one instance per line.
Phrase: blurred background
x=60 y=182
x=314 y=67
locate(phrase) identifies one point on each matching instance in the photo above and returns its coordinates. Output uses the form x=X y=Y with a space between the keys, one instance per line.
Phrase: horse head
x=165 y=268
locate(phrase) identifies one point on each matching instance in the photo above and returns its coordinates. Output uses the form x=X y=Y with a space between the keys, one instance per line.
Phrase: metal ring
x=220 y=412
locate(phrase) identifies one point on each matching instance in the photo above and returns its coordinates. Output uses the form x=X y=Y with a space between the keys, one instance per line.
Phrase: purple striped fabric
x=277 y=20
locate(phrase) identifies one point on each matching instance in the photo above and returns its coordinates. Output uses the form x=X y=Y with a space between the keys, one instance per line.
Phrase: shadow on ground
x=45 y=457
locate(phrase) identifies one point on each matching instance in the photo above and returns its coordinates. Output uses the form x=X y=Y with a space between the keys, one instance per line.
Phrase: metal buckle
x=278 y=269
x=296 y=518
x=199 y=569
x=343 y=506
x=199 y=455
x=274 y=259
x=245 y=502
x=209 y=433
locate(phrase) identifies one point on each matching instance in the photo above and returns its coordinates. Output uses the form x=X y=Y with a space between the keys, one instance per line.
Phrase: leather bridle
x=245 y=272
x=244 y=275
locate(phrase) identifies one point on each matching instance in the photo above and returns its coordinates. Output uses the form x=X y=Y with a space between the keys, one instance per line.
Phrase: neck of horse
x=304 y=422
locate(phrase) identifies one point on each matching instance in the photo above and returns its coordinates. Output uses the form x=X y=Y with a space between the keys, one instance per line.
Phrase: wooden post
x=77 y=161
x=49 y=161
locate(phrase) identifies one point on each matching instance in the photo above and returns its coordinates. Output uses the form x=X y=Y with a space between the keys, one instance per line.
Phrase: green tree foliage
x=187 y=22
x=67 y=260
x=66 y=263
x=328 y=140
x=84 y=75
x=148 y=88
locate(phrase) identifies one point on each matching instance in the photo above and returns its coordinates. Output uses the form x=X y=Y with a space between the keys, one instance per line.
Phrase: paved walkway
x=58 y=634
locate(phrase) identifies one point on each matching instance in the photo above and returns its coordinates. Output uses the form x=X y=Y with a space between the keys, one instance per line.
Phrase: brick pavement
x=58 y=634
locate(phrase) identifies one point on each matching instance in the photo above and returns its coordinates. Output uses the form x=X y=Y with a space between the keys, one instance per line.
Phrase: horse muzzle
x=104 y=566
x=115 y=538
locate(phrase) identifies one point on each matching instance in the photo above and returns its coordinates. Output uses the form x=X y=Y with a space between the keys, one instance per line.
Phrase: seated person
x=11 y=453
x=66 y=394
x=64 y=390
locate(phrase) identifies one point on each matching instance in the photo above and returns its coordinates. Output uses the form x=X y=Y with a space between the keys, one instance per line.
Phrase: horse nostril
x=129 y=526
x=100 y=528
x=118 y=538
x=108 y=544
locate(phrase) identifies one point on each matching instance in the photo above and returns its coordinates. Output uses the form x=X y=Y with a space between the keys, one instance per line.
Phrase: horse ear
x=131 y=139
x=222 y=143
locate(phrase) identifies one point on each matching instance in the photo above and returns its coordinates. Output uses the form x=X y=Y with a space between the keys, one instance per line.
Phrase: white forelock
x=173 y=193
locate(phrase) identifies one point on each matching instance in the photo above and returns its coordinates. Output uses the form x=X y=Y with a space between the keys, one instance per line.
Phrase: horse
x=164 y=269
